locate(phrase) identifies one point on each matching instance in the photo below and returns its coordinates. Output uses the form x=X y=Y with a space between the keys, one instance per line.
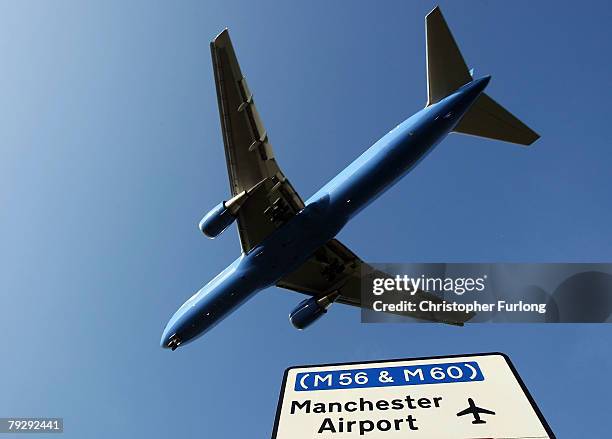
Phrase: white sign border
x=518 y=378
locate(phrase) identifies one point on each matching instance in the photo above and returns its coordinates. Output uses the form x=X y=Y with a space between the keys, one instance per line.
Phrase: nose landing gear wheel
x=174 y=342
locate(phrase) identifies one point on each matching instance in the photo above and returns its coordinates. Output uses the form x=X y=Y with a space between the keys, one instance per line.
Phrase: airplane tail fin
x=447 y=71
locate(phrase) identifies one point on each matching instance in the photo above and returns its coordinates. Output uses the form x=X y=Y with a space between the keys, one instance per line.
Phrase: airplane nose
x=164 y=341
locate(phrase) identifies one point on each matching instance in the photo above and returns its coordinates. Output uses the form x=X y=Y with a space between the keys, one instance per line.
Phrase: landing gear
x=278 y=212
x=332 y=266
x=333 y=269
x=174 y=342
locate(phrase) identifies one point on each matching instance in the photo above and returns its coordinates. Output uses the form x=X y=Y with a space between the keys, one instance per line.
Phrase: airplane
x=476 y=412
x=290 y=243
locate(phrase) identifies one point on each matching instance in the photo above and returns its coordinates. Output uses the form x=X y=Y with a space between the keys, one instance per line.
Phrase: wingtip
x=435 y=10
x=221 y=36
x=534 y=139
x=529 y=137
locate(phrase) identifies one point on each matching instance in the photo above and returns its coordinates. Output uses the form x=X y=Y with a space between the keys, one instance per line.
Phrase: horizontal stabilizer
x=486 y=118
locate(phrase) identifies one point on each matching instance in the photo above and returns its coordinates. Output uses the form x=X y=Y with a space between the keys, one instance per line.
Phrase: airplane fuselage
x=324 y=215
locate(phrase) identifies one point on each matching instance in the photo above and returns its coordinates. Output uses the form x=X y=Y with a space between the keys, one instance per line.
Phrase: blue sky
x=111 y=153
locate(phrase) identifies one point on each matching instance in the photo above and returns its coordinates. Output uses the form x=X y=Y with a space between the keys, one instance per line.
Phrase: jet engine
x=217 y=220
x=224 y=214
x=310 y=310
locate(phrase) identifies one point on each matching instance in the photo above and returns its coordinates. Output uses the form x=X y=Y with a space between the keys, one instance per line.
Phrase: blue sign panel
x=389 y=376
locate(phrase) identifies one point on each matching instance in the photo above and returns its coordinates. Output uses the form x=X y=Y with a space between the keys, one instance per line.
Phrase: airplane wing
x=250 y=160
x=467 y=411
x=484 y=411
x=334 y=267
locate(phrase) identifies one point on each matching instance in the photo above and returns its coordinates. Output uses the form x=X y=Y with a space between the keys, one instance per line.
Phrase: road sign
x=454 y=397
